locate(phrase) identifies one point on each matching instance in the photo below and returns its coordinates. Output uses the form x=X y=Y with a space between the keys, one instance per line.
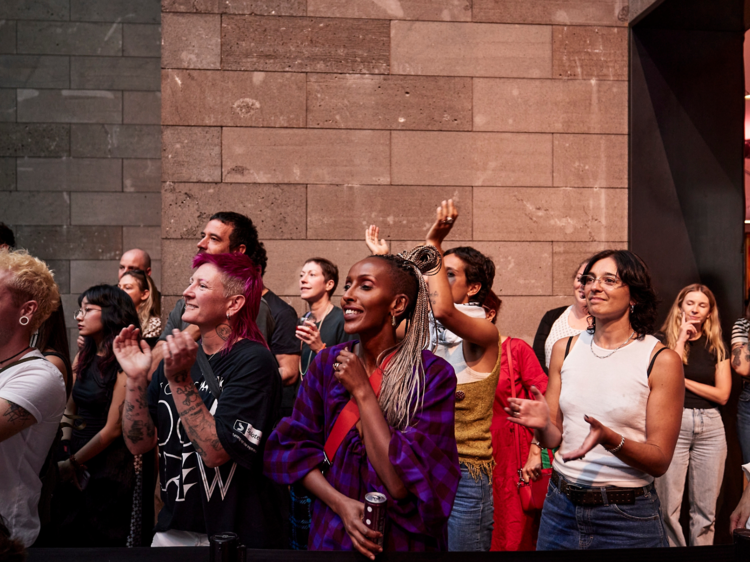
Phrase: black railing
x=739 y=552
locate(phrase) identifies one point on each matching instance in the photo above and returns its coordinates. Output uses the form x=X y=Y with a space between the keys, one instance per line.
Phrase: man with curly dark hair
x=225 y=232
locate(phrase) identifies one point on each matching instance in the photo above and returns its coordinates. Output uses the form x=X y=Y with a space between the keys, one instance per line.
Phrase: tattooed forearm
x=736 y=357
x=224 y=331
x=137 y=424
x=15 y=414
x=199 y=424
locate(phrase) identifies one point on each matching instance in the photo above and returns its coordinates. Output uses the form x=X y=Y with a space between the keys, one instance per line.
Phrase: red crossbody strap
x=516 y=428
x=350 y=414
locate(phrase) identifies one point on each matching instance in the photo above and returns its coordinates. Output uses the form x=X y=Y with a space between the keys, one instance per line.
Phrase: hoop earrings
x=21 y=320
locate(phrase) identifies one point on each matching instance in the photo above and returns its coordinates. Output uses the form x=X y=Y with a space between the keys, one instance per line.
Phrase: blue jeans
x=743 y=421
x=470 y=523
x=565 y=526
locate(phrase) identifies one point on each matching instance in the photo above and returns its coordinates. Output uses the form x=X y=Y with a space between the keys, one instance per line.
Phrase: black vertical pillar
x=687 y=166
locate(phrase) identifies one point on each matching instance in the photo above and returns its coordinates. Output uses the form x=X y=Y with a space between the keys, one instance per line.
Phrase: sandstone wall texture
x=79 y=135
x=317 y=118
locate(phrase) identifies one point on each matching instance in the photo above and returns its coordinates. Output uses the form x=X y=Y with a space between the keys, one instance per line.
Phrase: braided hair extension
x=402 y=392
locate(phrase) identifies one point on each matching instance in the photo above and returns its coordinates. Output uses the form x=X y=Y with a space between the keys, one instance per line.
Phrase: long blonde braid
x=402 y=391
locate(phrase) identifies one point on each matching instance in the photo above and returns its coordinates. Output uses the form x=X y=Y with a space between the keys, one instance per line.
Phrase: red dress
x=514 y=529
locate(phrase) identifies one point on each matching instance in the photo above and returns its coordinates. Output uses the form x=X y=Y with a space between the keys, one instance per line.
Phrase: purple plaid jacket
x=424 y=456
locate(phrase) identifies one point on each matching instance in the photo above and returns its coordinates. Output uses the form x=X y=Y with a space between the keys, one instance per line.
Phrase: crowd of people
x=239 y=416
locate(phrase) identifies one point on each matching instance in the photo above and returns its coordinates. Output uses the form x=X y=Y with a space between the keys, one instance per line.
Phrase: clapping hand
x=377 y=247
x=180 y=356
x=596 y=436
x=533 y=414
x=133 y=354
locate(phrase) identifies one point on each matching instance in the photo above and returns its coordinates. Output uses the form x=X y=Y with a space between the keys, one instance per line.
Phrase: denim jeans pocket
x=644 y=509
x=551 y=489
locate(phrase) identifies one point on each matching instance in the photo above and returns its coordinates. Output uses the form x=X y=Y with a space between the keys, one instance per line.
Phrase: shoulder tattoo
x=17 y=415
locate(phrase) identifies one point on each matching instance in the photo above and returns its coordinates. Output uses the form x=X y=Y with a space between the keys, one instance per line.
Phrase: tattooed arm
x=198 y=422
x=741 y=359
x=134 y=357
x=13 y=419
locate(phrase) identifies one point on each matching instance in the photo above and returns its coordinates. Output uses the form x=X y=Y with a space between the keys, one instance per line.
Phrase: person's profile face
x=369 y=293
x=215 y=238
x=205 y=303
x=130 y=285
x=312 y=282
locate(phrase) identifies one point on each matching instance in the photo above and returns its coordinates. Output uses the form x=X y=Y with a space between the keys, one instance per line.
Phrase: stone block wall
x=319 y=117
x=79 y=135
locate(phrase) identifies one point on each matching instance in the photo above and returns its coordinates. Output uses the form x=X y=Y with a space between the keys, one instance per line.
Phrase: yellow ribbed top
x=473 y=420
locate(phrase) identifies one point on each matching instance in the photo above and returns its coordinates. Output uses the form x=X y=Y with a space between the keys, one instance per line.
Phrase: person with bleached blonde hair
x=32 y=390
x=693 y=330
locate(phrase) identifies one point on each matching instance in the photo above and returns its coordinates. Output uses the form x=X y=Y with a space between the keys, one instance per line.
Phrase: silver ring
x=449 y=220
x=516 y=414
x=336 y=366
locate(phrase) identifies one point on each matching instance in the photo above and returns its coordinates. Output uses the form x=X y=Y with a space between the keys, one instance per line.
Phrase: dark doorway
x=686 y=167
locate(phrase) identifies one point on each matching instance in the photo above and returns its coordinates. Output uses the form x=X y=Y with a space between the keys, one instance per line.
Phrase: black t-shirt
x=701 y=368
x=331 y=333
x=236 y=496
x=283 y=341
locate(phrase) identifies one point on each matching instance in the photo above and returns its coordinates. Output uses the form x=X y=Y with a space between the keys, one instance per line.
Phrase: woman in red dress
x=514 y=529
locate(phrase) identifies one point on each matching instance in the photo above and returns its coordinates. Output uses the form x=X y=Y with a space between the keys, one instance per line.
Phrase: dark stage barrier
x=739 y=552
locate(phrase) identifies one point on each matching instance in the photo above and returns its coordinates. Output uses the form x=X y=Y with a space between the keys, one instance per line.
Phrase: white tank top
x=614 y=391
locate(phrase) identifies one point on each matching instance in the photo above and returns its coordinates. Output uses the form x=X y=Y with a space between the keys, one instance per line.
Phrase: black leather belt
x=579 y=495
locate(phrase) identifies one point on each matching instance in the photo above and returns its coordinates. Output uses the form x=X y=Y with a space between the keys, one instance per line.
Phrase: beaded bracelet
x=617 y=449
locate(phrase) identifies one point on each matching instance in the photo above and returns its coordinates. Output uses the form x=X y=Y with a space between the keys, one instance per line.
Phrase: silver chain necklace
x=610 y=354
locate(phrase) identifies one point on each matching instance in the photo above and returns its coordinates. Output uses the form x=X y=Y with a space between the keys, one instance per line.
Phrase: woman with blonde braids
x=403 y=444
x=693 y=330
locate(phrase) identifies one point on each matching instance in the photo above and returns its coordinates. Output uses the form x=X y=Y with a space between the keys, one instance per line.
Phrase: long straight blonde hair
x=711 y=327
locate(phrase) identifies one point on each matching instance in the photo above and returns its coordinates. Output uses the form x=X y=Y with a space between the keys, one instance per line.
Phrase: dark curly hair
x=633 y=272
x=244 y=232
x=118 y=312
x=478 y=269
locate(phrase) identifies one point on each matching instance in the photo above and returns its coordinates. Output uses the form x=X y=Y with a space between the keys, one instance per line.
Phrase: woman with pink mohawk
x=210 y=406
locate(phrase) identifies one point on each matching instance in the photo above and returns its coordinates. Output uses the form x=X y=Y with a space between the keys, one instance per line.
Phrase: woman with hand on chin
x=693 y=330
x=402 y=444
x=613 y=406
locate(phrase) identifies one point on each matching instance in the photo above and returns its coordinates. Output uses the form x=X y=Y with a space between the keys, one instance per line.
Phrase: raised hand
x=133 y=354
x=180 y=356
x=533 y=414
x=377 y=247
x=687 y=329
x=445 y=218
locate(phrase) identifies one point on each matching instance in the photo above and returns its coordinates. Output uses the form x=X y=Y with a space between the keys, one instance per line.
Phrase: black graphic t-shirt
x=236 y=496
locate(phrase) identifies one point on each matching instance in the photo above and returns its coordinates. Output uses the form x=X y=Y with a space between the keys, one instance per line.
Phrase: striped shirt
x=740 y=331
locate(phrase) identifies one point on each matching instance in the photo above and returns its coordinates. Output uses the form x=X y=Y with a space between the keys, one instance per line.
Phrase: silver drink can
x=374 y=518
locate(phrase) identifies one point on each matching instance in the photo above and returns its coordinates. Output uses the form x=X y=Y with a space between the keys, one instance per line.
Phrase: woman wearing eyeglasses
x=562 y=322
x=693 y=330
x=97 y=508
x=613 y=407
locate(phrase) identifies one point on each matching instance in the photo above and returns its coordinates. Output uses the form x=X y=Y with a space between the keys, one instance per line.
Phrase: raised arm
x=474 y=330
x=134 y=357
x=199 y=424
x=376 y=431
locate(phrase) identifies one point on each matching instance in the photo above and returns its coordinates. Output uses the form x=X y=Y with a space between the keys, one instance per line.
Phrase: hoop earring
x=228 y=317
x=21 y=320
